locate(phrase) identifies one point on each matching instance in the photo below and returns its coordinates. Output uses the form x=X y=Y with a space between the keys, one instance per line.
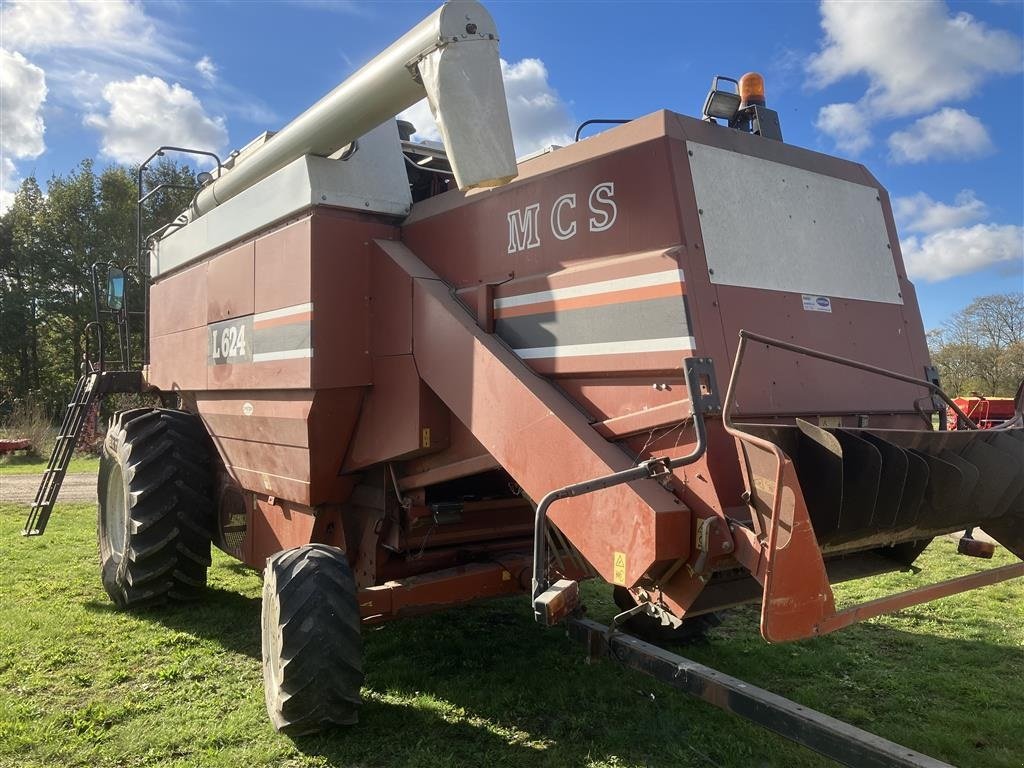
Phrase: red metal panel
x=401 y=417
x=178 y=360
x=288 y=444
x=646 y=205
x=272 y=373
x=229 y=280
x=390 y=308
x=277 y=526
x=464 y=456
x=340 y=291
x=283 y=269
x=872 y=332
x=538 y=436
x=178 y=302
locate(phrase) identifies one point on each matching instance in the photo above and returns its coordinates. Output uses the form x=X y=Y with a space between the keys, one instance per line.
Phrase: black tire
x=652 y=630
x=312 y=643
x=156 y=510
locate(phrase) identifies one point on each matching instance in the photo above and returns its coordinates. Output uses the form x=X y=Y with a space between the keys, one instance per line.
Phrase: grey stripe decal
x=279 y=338
x=629 y=321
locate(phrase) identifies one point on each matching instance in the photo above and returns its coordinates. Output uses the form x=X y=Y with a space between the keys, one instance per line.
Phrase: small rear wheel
x=312 y=644
x=650 y=628
x=155 y=515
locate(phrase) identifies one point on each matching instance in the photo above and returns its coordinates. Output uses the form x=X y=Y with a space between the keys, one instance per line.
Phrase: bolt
x=471 y=28
x=711 y=271
x=690 y=153
x=727 y=546
x=700 y=211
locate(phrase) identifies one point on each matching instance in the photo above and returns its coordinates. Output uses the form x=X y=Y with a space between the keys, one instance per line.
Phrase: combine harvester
x=396 y=396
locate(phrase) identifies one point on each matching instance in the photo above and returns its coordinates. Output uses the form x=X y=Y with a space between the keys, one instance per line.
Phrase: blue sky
x=928 y=95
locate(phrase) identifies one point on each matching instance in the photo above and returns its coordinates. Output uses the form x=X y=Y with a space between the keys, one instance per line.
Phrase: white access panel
x=773 y=226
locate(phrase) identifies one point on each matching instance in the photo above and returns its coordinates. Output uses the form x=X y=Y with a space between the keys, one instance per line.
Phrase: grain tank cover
x=451 y=58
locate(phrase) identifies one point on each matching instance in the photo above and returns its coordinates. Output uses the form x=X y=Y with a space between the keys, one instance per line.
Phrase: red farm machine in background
x=986 y=412
x=402 y=376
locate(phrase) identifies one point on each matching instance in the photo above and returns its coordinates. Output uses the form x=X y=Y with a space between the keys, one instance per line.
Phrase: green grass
x=84 y=685
x=18 y=464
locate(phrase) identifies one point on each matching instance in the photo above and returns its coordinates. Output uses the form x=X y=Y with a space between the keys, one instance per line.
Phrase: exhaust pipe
x=451 y=57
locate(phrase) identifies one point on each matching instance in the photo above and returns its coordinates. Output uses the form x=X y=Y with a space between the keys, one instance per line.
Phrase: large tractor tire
x=312 y=644
x=156 y=510
x=652 y=630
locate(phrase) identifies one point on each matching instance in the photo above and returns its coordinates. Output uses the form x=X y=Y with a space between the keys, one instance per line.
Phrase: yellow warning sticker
x=425 y=441
x=619 y=568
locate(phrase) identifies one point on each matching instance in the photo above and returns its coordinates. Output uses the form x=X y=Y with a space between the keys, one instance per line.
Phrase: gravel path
x=22 y=488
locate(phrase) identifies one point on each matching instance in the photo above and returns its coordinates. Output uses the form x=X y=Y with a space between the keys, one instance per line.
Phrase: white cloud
x=962 y=250
x=21 y=119
x=112 y=29
x=949 y=133
x=848 y=125
x=146 y=112
x=916 y=55
x=207 y=70
x=8 y=183
x=23 y=86
x=920 y=213
x=85 y=45
x=538 y=115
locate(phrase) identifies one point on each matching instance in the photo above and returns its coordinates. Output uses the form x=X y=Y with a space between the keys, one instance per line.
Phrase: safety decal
x=619 y=568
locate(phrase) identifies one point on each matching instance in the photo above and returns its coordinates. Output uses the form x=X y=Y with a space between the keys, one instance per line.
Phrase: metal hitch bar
x=836 y=740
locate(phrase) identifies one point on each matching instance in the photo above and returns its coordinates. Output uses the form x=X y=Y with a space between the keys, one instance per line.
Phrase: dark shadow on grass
x=484 y=685
x=229 y=618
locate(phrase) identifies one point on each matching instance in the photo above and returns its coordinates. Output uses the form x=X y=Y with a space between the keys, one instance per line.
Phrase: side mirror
x=115 y=288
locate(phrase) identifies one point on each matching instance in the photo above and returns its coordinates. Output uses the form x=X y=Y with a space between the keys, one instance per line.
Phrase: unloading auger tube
x=451 y=58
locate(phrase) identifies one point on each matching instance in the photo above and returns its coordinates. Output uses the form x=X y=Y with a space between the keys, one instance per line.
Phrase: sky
x=928 y=95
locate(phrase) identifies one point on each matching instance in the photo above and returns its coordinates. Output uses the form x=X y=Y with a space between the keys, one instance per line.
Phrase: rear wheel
x=312 y=645
x=155 y=507
x=650 y=628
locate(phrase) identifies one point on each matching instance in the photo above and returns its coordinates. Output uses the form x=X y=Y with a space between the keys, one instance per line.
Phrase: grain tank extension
x=681 y=356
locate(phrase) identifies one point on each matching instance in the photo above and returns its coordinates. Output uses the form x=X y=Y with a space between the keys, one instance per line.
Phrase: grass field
x=30 y=465
x=84 y=685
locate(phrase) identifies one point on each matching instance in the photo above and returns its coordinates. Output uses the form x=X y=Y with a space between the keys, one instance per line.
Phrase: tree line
x=980 y=349
x=49 y=241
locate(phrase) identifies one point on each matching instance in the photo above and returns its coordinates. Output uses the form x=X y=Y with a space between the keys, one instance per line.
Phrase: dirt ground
x=16 y=489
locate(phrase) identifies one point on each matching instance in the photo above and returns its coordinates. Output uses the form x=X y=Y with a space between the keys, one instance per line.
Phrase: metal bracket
x=931 y=374
x=699 y=376
x=704 y=399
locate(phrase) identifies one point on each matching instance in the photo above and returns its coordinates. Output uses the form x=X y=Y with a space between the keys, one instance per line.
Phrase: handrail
x=839 y=360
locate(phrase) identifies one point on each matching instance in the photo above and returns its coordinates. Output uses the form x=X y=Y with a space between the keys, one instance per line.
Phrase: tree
x=22 y=254
x=48 y=244
x=981 y=347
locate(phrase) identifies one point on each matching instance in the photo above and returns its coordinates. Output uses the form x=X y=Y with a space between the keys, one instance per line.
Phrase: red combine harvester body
x=412 y=398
